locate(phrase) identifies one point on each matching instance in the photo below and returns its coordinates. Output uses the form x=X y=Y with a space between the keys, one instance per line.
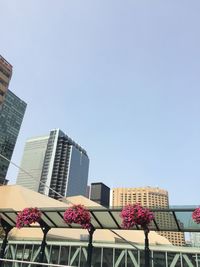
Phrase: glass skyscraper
x=11 y=116
x=54 y=161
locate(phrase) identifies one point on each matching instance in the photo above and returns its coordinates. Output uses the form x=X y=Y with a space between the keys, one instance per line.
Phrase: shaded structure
x=106 y=219
x=100 y=193
x=102 y=218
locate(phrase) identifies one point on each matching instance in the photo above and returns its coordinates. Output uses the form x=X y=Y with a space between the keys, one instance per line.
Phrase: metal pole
x=90 y=246
x=45 y=228
x=146 y=250
x=6 y=227
x=30 y=263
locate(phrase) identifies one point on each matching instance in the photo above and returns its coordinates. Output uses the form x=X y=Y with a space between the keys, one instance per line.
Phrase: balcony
x=4 y=78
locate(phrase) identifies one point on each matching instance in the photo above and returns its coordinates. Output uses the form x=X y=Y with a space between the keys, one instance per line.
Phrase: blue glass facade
x=11 y=116
x=78 y=173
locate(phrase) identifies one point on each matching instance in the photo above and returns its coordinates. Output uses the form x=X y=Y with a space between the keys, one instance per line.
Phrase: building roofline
x=6 y=63
x=42 y=137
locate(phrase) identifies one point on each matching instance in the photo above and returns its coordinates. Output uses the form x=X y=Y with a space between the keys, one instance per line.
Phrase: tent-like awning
x=172 y=219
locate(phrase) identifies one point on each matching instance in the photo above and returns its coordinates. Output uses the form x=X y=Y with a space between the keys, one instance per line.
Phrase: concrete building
x=54 y=161
x=11 y=116
x=195 y=239
x=100 y=193
x=151 y=198
x=5 y=76
x=146 y=196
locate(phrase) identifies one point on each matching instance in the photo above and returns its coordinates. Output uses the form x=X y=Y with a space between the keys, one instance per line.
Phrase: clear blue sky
x=120 y=77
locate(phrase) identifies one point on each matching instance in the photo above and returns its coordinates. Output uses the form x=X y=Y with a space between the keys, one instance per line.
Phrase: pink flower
x=196 y=215
x=78 y=214
x=28 y=216
x=136 y=215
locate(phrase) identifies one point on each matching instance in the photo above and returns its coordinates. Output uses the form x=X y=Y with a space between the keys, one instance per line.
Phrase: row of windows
x=102 y=257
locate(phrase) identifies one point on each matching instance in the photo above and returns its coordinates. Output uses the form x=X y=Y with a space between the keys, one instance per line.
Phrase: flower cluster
x=28 y=216
x=136 y=215
x=78 y=214
x=196 y=215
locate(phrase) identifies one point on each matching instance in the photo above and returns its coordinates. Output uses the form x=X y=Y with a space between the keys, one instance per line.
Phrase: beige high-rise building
x=5 y=76
x=152 y=198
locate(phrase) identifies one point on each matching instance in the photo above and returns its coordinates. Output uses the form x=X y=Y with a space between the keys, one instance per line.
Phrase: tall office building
x=146 y=196
x=5 y=76
x=100 y=193
x=54 y=161
x=11 y=116
x=32 y=162
x=151 y=198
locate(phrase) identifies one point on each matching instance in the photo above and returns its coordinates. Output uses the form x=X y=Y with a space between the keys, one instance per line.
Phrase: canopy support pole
x=45 y=229
x=6 y=227
x=146 y=249
x=90 y=246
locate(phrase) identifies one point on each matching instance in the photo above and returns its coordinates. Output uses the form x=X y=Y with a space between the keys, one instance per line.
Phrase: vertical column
x=146 y=249
x=6 y=227
x=90 y=246
x=45 y=228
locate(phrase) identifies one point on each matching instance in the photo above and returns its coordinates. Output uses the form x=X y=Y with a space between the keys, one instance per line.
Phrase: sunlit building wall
x=5 y=76
x=195 y=239
x=151 y=198
x=32 y=162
